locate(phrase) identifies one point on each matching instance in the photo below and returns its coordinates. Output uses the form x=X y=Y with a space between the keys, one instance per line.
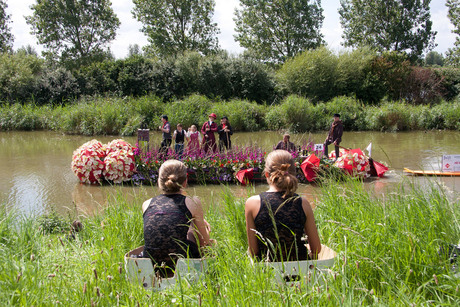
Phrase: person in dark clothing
x=165 y=128
x=276 y=220
x=225 y=131
x=286 y=144
x=173 y=223
x=334 y=136
x=179 y=139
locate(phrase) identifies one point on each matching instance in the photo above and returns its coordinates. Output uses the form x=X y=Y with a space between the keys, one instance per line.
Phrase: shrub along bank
x=123 y=116
x=391 y=251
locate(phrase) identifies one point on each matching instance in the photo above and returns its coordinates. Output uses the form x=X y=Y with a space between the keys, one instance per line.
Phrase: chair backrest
x=311 y=270
x=140 y=270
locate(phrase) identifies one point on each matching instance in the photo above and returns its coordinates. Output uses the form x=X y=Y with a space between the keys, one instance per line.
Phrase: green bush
x=56 y=87
x=350 y=110
x=352 y=70
x=18 y=74
x=242 y=114
x=310 y=74
x=193 y=110
x=295 y=114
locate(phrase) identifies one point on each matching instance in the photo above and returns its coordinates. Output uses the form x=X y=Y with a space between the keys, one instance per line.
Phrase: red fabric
x=380 y=168
x=310 y=167
x=245 y=175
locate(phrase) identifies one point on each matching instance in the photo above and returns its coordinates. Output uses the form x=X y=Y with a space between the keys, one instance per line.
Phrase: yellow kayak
x=430 y=173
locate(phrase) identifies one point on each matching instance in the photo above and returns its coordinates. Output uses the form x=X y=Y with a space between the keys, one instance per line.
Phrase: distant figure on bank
x=277 y=220
x=334 y=136
x=173 y=223
x=286 y=144
x=165 y=128
x=225 y=131
x=194 y=141
x=209 y=139
x=179 y=139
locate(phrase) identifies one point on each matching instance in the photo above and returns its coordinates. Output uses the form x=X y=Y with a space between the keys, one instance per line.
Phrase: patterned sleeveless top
x=280 y=225
x=166 y=223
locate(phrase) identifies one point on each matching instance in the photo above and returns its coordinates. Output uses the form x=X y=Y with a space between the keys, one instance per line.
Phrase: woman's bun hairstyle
x=172 y=176
x=280 y=166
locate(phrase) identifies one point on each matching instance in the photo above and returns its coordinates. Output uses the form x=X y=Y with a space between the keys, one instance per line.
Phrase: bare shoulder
x=146 y=204
x=306 y=206
x=193 y=204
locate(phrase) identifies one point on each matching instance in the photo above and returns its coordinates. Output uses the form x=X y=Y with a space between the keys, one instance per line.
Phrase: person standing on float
x=165 y=128
x=334 y=136
x=225 y=131
x=209 y=140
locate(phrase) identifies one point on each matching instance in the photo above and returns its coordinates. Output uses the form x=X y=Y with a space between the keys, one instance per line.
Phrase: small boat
x=430 y=173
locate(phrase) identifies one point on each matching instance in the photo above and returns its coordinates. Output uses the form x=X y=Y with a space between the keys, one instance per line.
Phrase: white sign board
x=451 y=163
x=319 y=147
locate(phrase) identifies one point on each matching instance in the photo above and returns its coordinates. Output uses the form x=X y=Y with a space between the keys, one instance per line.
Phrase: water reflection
x=36 y=174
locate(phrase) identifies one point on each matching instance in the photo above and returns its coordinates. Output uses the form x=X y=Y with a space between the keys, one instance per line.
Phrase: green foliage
x=453 y=54
x=310 y=74
x=56 y=86
x=76 y=32
x=6 y=38
x=193 y=110
x=352 y=71
x=295 y=114
x=18 y=73
x=388 y=25
x=388 y=253
x=434 y=58
x=50 y=223
x=242 y=114
x=174 y=27
x=277 y=30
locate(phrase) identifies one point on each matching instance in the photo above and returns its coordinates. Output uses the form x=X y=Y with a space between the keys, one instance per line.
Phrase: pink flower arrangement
x=87 y=162
x=94 y=161
x=354 y=162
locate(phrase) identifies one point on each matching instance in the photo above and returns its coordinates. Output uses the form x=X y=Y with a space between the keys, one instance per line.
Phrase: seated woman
x=276 y=220
x=172 y=221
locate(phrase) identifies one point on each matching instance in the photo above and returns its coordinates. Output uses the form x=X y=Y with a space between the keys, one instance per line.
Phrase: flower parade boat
x=119 y=162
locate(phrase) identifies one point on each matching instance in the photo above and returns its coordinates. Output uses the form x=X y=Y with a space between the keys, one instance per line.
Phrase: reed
x=388 y=254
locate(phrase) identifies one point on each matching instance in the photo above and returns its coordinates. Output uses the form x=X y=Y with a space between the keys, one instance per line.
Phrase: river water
x=36 y=174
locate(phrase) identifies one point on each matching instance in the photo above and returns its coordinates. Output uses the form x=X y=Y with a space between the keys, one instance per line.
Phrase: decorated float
x=119 y=161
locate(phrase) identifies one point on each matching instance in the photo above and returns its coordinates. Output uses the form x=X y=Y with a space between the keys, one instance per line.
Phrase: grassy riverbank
x=123 y=116
x=388 y=254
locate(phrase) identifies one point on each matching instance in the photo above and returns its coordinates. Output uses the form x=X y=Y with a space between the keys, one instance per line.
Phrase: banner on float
x=451 y=163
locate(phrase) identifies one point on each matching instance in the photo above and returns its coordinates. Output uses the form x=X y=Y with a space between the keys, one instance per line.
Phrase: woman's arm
x=310 y=229
x=201 y=229
x=251 y=210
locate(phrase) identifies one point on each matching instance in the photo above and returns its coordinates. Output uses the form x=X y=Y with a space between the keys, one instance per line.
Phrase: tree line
x=283 y=52
x=77 y=32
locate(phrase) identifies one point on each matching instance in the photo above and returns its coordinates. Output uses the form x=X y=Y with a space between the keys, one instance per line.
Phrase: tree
x=176 y=26
x=453 y=54
x=434 y=58
x=76 y=31
x=6 y=38
x=275 y=30
x=388 y=25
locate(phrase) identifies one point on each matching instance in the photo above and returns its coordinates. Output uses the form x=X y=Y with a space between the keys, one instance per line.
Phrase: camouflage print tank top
x=166 y=223
x=280 y=226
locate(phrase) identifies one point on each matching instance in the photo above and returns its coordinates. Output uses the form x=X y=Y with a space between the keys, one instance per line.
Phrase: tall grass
x=123 y=116
x=388 y=254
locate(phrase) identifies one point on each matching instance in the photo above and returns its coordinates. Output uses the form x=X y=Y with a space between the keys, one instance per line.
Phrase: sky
x=129 y=31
